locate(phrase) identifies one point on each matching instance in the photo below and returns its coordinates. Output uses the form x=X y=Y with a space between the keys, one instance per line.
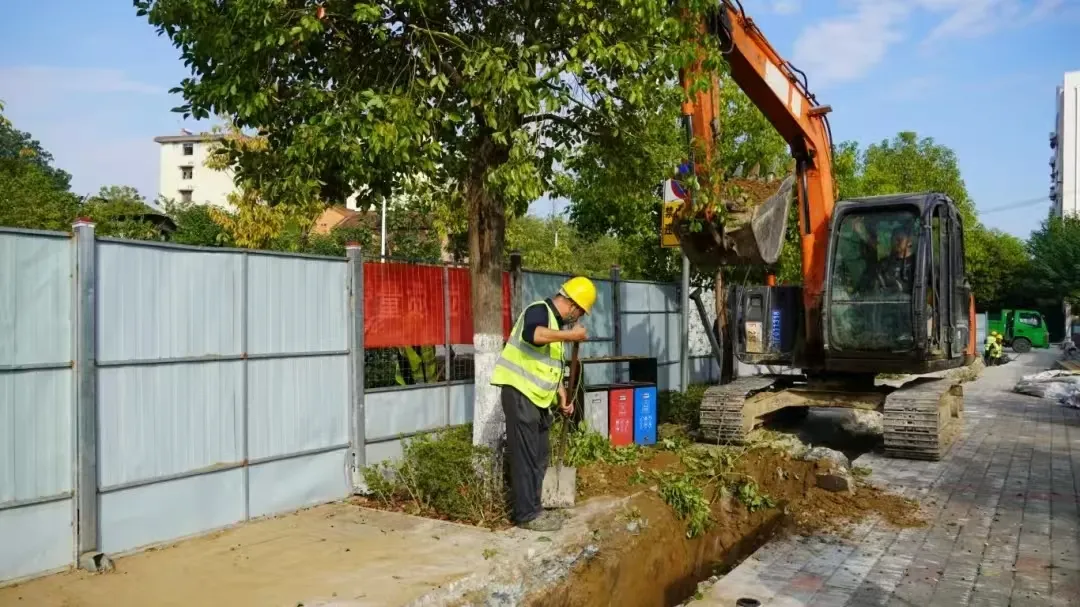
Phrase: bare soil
x=646 y=559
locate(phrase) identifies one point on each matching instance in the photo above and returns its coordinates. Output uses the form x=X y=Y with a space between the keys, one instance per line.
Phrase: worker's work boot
x=546 y=522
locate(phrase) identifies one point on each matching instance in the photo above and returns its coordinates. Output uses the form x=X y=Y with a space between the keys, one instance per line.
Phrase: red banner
x=403 y=305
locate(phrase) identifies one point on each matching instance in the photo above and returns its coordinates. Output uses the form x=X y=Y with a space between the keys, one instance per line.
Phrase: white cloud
x=786 y=7
x=30 y=84
x=846 y=48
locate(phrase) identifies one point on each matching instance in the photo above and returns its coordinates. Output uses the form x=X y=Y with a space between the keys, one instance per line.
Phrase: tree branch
x=561 y=120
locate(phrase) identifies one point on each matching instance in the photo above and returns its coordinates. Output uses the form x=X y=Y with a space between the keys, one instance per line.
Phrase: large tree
x=488 y=95
x=20 y=145
x=1055 y=265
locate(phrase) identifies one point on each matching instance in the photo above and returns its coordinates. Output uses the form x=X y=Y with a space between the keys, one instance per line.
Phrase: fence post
x=516 y=288
x=357 y=422
x=86 y=418
x=684 y=329
x=449 y=374
x=616 y=317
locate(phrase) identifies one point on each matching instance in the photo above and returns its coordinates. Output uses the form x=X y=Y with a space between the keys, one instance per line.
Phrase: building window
x=189 y=149
x=185 y=172
x=185 y=195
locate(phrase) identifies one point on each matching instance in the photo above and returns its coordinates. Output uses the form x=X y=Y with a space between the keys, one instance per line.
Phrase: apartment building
x=1065 y=143
x=182 y=172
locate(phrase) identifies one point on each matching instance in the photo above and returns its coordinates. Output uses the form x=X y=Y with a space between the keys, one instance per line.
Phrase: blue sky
x=90 y=80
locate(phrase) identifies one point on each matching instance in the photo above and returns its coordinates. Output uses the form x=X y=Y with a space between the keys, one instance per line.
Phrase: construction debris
x=1057 y=385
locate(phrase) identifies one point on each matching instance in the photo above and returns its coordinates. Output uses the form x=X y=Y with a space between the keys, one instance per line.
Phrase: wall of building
x=1066 y=145
x=208 y=186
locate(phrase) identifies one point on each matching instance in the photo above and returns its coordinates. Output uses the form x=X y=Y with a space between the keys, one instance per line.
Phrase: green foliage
x=119 y=211
x=21 y=146
x=585 y=446
x=490 y=99
x=442 y=473
x=682 y=491
x=614 y=190
x=682 y=408
x=30 y=199
x=195 y=225
x=553 y=245
x=1055 y=265
x=749 y=493
x=33 y=194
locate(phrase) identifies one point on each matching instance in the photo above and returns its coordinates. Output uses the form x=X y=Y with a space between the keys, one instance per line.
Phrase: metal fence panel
x=297 y=405
x=296 y=305
x=651 y=326
x=298 y=482
x=393 y=412
x=160 y=512
x=167 y=303
x=35 y=300
x=36 y=403
x=162 y=420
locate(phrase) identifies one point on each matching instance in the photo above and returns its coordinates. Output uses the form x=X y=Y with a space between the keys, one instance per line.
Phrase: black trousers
x=528 y=448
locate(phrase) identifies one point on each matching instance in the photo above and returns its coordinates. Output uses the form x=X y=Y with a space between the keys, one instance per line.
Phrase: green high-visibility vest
x=423 y=365
x=535 y=371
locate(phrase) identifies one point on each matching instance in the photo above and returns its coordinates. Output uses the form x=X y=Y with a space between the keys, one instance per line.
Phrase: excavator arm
x=780 y=91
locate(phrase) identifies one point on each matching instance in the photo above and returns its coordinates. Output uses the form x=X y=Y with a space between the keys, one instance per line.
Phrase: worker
x=530 y=372
x=418 y=362
x=898 y=269
x=988 y=348
x=999 y=348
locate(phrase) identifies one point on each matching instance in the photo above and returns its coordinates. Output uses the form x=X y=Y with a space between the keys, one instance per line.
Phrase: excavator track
x=923 y=418
x=722 y=409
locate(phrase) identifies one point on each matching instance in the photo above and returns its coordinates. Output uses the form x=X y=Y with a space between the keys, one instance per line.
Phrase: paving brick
x=1003 y=509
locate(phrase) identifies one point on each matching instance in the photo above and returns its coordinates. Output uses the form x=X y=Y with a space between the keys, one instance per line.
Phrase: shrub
x=443 y=474
x=681 y=408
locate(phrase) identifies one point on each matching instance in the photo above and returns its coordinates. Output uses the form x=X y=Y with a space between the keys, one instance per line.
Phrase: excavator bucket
x=754 y=236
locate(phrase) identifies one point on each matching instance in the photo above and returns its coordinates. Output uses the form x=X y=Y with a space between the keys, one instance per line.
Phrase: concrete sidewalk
x=1003 y=526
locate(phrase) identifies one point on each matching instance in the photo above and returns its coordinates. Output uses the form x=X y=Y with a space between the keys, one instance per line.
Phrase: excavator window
x=873 y=274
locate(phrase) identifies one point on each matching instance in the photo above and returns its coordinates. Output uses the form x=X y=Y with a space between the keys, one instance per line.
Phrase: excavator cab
x=895 y=297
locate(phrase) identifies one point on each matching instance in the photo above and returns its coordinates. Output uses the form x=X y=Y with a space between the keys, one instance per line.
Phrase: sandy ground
x=324 y=555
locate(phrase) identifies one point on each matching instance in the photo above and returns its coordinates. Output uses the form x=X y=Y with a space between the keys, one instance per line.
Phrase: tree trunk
x=724 y=332
x=487 y=231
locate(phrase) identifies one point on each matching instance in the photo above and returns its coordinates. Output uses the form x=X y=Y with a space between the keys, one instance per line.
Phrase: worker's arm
x=544 y=335
x=537 y=333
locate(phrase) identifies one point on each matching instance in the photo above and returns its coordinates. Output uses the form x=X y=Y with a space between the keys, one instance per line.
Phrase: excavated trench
x=643 y=557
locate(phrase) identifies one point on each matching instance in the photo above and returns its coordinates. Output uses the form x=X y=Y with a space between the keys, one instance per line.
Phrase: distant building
x=182 y=172
x=1064 y=141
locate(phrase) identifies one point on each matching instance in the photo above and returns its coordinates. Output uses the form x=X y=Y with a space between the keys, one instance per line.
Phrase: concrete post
x=357 y=421
x=87 y=531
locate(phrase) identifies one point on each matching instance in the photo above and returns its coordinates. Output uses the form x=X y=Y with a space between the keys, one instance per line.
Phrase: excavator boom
x=780 y=91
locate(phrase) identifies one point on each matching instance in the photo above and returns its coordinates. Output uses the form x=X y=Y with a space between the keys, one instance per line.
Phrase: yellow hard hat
x=581 y=290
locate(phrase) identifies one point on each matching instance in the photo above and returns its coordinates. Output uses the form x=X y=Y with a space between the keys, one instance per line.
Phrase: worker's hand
x=577 y=333
x=566 y=407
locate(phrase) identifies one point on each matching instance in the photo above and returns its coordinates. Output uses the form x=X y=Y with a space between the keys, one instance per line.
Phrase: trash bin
x=621 y=415
x=645 y=414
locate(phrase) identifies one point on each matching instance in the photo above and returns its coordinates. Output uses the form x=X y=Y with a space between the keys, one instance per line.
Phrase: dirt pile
x=751 y=193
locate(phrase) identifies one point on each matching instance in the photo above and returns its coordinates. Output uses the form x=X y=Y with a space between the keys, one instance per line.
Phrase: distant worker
x=530 y=372
x=988 y=348
x=999 y=349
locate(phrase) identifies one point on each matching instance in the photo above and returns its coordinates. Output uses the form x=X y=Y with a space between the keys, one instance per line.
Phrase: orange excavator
x=883 y=281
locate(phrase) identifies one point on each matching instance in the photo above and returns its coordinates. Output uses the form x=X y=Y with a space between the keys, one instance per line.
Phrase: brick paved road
x=1004 y=526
